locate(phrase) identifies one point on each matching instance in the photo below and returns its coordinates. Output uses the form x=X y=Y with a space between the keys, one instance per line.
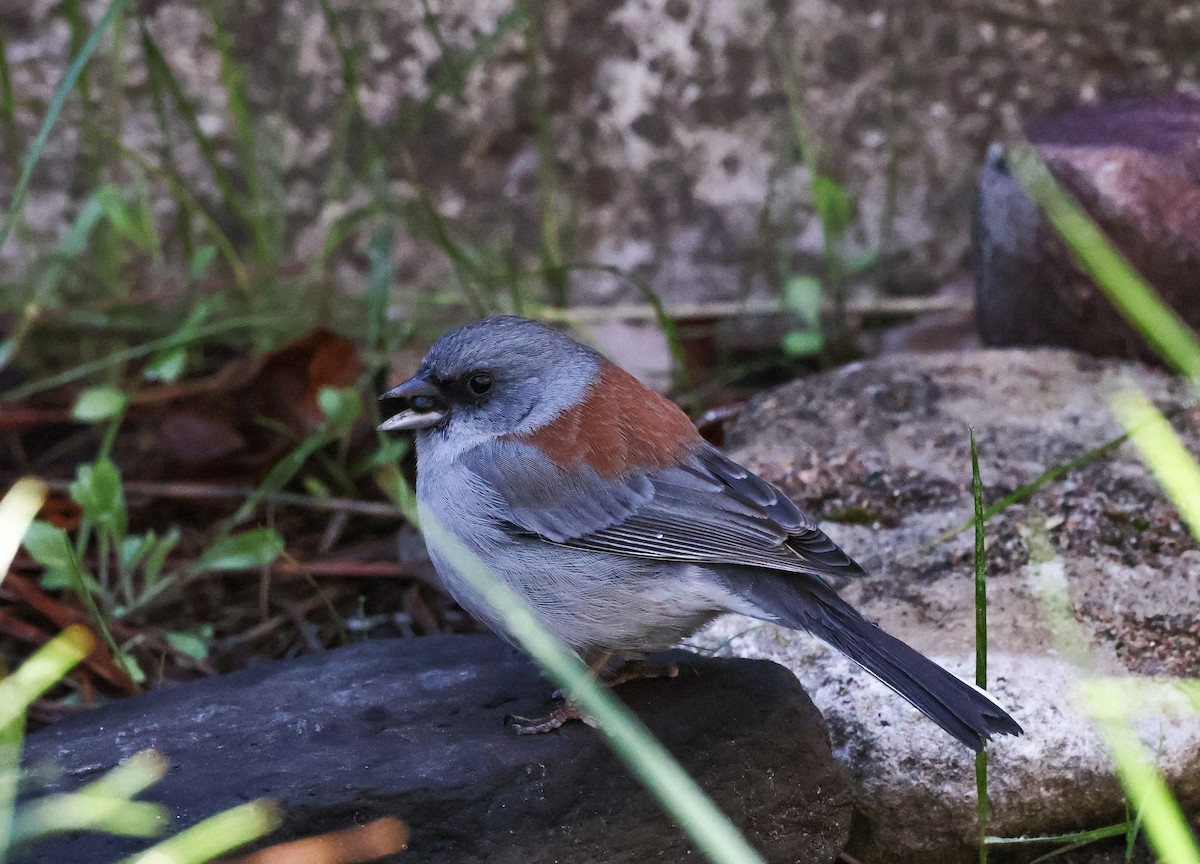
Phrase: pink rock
x=1134 y=165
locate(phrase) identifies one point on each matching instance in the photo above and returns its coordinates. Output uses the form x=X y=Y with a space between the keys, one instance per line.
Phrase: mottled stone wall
x=673 y=154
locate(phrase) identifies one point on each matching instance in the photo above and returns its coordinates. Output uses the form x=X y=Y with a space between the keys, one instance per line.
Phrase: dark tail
x=807 y=603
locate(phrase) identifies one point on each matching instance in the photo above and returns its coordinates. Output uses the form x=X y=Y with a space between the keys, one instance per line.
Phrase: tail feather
x=806 y=602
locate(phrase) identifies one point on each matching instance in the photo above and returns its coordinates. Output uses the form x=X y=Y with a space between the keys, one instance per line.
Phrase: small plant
x=131 y=570
x=807 y=296
x=106 y=804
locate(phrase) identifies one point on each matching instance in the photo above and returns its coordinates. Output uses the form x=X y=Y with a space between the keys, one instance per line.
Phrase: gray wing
x=706 y=510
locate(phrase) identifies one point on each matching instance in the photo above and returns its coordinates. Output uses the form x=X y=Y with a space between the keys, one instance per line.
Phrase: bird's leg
x=564 y=713
x=635 y=670
x=632 y=670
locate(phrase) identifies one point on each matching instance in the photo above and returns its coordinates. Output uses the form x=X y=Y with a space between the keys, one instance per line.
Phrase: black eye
x=480 y=383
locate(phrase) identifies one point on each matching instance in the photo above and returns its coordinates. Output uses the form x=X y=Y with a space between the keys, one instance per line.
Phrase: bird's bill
x=411 y=418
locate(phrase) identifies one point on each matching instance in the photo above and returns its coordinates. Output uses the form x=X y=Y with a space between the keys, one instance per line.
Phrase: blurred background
x=291 y=160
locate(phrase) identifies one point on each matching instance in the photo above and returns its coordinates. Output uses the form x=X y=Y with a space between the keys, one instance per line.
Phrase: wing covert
x=707 y=510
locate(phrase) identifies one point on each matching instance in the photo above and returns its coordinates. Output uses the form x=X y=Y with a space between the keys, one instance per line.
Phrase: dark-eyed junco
x=598 y=502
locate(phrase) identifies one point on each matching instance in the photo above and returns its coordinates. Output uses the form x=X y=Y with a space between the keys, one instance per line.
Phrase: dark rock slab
x=414 y=729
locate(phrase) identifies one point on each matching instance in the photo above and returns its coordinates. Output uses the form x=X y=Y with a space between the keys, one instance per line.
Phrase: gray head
x=499 y=376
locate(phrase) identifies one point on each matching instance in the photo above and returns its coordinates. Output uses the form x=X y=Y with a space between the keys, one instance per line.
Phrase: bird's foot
x=567 y=710
x=564 y=713
x=636 y=670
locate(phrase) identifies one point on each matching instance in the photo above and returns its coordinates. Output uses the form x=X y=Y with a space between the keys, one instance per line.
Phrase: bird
x=624 y=531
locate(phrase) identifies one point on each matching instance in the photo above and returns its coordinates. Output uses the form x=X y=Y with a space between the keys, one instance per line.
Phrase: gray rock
x=1134 y=165
x=414 y=729
x=879 y=451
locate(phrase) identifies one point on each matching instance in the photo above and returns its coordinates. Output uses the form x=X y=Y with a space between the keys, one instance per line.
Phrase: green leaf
x=314 y=487
x=387 y=453
x=340 y=405
x=281 y=473
x=133 y=549
x=97 y=404
x=68 y=579
x=804 y=296
x=862 y=263
x=97 y=489
x=250 y=549
x=128 y=217
x=193 y=643
x=834 y=207
x=202 y=259
x=158 y=556
x=8 y=347
x=803 y=343
x=75 y=242
x=167 y=366
x=130 y=667
x=49 y=546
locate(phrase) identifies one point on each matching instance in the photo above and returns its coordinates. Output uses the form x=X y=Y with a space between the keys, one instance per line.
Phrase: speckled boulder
x=880 y=452
x=669 y=151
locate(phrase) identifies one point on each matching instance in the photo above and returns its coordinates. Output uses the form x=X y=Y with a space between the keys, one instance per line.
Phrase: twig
x=349 y=569
x=639 y=312
x=208 y=492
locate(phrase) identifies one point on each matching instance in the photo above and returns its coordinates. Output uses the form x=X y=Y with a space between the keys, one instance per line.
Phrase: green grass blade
x=1090 y=836
x=260 y=216
x=131 y=778
x=160 y=71
x=11 y=737
x=115 y=8
x=1179 y=475
x=59 y=814
x=191 y=204
x=1169 y=461
x=1144 y=307
x=214 y=836
x=1070 y=841
x=17 y=510
x=118 y=358
x=42 y=671
x=981 y=643
x=981 y=674
x=549 y=236
x=1164 y=822
x=8 y=107
x=453 y=69
x=690 y=808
